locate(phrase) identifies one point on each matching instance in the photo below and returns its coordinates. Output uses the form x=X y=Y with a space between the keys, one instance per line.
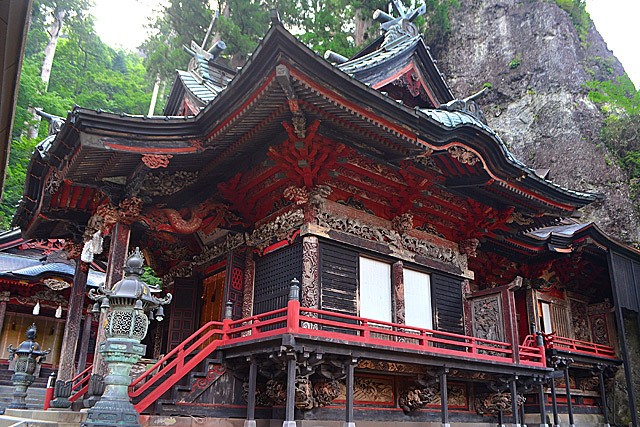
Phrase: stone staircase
x=35 y=394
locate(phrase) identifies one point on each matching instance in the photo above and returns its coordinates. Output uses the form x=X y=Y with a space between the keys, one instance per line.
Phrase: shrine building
x=346 y=242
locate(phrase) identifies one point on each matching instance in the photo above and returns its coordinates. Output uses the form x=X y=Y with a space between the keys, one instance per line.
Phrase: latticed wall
x=274 y=273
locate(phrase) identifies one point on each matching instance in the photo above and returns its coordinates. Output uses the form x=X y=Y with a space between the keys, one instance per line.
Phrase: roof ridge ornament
x=468 y=105
x=395 y=28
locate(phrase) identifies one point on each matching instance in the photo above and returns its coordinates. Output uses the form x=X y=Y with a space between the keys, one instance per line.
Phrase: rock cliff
x=531 y=55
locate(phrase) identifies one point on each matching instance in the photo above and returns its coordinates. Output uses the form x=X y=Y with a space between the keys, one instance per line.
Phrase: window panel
x=417 y=299
x=375 y=289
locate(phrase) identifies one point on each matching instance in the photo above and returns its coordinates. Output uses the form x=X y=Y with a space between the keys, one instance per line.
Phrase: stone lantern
x=29 y=356
x=129 y=306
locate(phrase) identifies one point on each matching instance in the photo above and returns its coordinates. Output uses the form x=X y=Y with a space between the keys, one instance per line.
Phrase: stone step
x=60 y=418
x=7 y=421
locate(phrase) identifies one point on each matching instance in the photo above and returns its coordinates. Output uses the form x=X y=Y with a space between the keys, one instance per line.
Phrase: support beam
x=514 y=401
x=603 y=396
x=444 y=398
x=251 y=395
x=554 y=402
x=543 y=406
x=70 y=337
x=84 y=342
x=568 y=391
x=398 y=290
x=349 y=420
x=290 y=405
x=4 y=297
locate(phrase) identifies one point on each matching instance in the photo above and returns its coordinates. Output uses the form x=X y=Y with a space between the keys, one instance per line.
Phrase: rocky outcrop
x=530 y=53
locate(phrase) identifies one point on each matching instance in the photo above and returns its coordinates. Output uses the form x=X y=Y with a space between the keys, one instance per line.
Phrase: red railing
x=80 y=384
x=569 y=345
x=176 y=364
x=319 y=324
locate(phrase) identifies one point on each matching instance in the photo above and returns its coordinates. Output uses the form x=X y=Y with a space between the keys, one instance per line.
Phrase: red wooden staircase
x=158 y=379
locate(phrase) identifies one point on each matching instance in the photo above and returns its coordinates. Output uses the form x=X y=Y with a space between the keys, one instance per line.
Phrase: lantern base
x=21 y=382
x=114 y=409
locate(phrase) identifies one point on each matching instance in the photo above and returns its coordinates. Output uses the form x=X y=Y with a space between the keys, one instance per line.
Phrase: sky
x=121 y=23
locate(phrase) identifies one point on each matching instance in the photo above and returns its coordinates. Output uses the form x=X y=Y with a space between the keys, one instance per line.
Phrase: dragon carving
x=188 y=220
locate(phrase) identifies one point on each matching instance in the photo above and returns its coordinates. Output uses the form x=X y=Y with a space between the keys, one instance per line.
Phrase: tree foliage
x=85 y=72
x=620 y=102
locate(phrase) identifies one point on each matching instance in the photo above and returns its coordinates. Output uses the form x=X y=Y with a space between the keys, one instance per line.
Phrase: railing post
x=228 y=316
x=540 y=344
x=366 y=333
x=293 y=307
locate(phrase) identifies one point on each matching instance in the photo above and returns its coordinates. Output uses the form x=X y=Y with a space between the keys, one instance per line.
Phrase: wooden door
x=184 y=311
x=212 y=298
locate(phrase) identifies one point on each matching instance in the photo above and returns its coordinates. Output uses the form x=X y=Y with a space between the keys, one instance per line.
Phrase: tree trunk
x=47 y=63
x=362 y=24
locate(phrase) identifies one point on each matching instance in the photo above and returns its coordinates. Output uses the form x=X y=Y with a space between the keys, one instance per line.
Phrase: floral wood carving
x=166 y=184
x=56 y=285
x=154 y=161
x=379 y=365
x=278 y=229
x=392 y=238
x=463 y=155
x=53 y=182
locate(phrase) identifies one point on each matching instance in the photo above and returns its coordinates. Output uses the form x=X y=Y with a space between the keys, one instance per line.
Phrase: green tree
x=86 y=72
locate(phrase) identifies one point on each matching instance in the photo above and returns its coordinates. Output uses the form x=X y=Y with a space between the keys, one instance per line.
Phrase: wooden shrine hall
x=346 y=242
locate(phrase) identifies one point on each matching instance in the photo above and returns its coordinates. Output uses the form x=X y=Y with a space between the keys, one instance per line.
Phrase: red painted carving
x=154 y=161
x=47 y=246
x=188 y=220
x=492 y=270
x=129 y=210
x=479 y=220
x=309 y=160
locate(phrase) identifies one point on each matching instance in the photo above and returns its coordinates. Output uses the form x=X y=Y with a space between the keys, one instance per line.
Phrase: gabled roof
x=95 y=148
x=386 y=63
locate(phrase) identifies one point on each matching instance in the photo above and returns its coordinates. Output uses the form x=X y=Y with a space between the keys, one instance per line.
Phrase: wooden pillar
x=70 y=338
x=84 y=342
x=543 y=403
x=444 y=398
x=554 y=402
x=290 y=405
x=247 y=293
x=567 y=385
x=251 y=395
x=622 y=336
x=349 y=383
x=603 y=396
x=118 y=251
x=397 y=273
x=514 y=401
x=4 y=298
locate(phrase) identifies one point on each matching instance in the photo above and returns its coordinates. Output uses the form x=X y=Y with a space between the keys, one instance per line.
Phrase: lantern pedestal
x=21 y=382
x=114 y=407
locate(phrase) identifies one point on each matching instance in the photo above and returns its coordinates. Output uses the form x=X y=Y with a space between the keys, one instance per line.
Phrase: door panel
x=184 y=311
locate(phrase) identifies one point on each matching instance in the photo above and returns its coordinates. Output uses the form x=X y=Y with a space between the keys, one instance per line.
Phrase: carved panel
x=398 y=289
x=415 y=398
x=310 y=283
x=370 y=390
x=392 y=238
x=487 y=318
x=380 y=365
x=491 y=404
x=580 y=320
